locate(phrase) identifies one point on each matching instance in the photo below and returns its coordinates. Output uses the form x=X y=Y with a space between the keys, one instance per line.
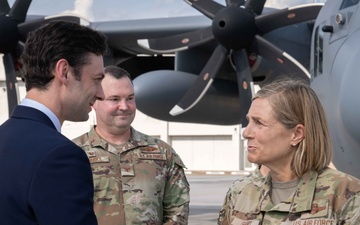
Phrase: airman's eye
x=257 y=122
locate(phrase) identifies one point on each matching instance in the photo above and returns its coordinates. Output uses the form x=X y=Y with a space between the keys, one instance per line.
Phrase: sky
x=106 y=10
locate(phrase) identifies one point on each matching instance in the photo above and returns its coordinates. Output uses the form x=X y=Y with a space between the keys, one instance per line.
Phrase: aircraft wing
x=123 y=35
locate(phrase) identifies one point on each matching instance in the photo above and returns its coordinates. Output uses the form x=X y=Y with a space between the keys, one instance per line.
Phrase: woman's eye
x=257 y=122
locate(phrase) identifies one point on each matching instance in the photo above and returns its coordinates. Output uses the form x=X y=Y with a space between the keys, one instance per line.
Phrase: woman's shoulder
x=340 y=189
x=336 y=175
x=337 y=181
x=254 y=178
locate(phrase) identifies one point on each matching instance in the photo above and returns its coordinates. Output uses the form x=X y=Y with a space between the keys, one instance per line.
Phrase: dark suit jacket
x=44 y=177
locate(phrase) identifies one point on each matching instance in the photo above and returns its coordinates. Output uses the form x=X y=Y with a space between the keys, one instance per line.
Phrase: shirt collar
x=136 y=139
x=305 y=192
x=36 y=105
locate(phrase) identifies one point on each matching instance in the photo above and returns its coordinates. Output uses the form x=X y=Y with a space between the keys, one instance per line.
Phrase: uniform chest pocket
x=107 y=179
x=103 y=166
x=246 y=218
x=238 y=221
x=100 y=166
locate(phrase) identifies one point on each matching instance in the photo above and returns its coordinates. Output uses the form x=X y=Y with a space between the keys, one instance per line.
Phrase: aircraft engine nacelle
x=336 y=78
x=220 y=105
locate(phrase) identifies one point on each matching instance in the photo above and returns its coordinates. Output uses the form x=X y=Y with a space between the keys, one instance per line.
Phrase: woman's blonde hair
x=294 y=102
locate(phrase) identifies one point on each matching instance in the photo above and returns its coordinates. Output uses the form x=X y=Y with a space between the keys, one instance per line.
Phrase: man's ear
x=62 y=70
x=299 y=134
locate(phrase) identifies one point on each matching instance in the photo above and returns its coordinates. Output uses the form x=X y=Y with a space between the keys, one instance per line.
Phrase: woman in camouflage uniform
x=288 y=133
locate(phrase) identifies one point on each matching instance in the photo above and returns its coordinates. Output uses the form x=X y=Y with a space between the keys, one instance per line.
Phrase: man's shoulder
x=32 y=132
x=139 y=136
x=156 y=144
x=81 y=140
x=86 y=138
x=152 y=142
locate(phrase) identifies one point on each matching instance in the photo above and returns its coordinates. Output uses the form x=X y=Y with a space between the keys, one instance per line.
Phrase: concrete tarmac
x=207 y=193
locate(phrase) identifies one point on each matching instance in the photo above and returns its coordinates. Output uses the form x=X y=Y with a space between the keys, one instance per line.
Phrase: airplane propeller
x=15 y=27
x=10 y=18
x=238 y=29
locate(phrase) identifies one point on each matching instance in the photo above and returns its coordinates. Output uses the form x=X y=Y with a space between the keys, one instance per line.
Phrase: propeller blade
x=207 y=7
x=202 y=83
x=288 y=16
x=245 y=82
x=178 y=42
x=256 y=6
x=19 y=10
x=4 y=7
x=11 y=82
x=235 y=2
x=25 y=28
x=285 y=62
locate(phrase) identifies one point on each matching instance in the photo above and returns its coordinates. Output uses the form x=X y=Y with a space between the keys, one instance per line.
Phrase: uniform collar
x=136 y=139
x=305 y=192
x=300 y=201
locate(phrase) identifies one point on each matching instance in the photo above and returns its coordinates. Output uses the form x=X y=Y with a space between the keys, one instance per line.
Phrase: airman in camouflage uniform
x=145 y=179
x=288 y=133
x=138 y=179
x=329 y=197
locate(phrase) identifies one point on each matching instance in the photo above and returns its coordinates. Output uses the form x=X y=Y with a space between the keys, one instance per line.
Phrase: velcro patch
x=99 y=159
x=149 y=149
x=238 y=221
x=152 y=156
x=91 y=154
x=314 y=222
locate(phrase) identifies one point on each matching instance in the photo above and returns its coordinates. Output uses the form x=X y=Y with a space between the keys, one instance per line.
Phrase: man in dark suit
x=45 y=178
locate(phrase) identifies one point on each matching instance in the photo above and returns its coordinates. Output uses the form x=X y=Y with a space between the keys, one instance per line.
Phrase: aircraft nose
x=349 y=103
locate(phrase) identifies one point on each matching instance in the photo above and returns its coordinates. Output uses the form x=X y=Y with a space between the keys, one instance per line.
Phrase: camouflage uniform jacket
x=326 y=198
x=231 y=196
x=146 y=180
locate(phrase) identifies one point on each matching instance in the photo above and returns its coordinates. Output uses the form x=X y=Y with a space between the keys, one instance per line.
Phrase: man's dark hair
x=54 y=41
x=117 y=72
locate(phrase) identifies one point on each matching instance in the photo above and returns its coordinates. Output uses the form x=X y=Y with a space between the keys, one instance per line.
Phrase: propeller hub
x=8 y=34
x=234 y=27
